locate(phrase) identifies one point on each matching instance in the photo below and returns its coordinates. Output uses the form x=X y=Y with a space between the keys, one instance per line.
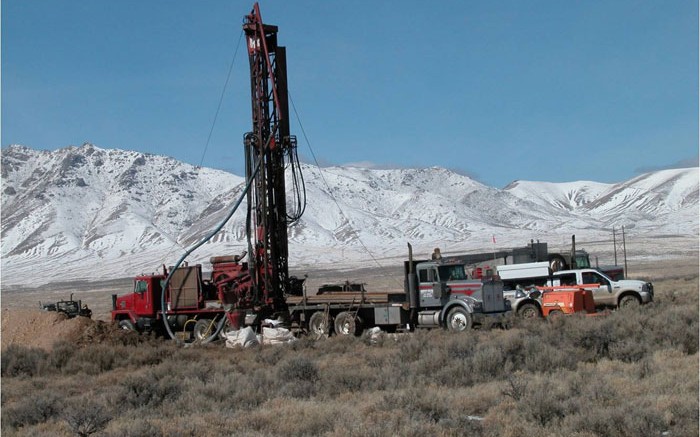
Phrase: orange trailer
x=567 y=299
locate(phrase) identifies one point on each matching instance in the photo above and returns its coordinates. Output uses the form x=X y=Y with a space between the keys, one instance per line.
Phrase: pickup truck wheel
x=320 y=325
x=126 y=325
x=529 y=311
x=203 y=329
x=348 y=324
x=628 y=300
x=458 y=320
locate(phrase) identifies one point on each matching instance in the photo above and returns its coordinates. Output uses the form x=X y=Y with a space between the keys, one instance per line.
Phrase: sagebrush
x=633 y=372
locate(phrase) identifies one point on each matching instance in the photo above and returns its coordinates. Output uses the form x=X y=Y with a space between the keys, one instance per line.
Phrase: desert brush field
x=631 y=373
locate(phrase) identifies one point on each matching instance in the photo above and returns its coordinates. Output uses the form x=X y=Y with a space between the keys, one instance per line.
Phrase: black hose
x=222 y=322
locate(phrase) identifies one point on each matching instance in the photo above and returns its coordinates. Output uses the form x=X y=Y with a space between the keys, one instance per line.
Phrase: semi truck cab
x=447 y=297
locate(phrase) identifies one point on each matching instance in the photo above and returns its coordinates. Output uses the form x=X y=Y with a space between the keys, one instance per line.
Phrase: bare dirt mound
x=42 y=329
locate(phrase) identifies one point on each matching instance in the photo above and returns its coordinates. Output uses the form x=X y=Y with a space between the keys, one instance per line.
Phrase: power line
x=221 y=98
x=330 y=192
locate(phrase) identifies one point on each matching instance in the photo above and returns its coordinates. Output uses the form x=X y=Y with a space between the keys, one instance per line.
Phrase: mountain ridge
x=89 y=210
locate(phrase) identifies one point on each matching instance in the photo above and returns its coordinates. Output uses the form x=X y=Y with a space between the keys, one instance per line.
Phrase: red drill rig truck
x=235 y=288
x=242 y=293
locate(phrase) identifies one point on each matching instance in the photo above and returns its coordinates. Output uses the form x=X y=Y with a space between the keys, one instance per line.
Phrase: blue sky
x=537 y=90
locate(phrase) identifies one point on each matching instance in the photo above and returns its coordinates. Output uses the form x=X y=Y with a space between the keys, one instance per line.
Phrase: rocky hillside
x=88 y=213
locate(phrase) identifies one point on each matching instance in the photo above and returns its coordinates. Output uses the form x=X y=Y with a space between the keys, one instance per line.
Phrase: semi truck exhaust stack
x=412 y=289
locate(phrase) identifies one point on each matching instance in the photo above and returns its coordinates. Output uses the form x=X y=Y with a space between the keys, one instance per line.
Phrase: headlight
x=519 y=294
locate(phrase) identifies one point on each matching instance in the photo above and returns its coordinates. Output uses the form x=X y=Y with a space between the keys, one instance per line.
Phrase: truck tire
x=628 y=301
x=529 y=311
x=126 y=325
x=557 y=262
x=320 y=324
x=348 y=324
x=203 y=329
x=458 y=320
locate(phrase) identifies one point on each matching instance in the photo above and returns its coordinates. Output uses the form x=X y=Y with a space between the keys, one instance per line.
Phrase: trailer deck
x=364 y=298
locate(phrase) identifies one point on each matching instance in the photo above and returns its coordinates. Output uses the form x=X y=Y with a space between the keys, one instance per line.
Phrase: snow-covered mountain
x=663 y=202
x=91 y=213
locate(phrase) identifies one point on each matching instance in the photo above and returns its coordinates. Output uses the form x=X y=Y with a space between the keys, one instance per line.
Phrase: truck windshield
x=140 y=286
x=452 y=273
x=582 y=261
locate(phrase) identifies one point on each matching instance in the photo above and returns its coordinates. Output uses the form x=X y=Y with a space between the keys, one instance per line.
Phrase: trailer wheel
x=555 y=313
x=320 y=325
x=458 y=320
x=203 y=329
x=348 y=324
x=628 y=301
x=529 y=311
x=126 y=325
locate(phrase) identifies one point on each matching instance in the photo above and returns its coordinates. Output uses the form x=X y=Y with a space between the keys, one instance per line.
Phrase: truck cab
x=139 y=309
x=607 y=293
x=447 y=297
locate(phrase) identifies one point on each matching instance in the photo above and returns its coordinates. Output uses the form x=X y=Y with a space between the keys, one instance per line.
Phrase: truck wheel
x=348 y=324
x=320 y=325
x=126 y=325
x=203 y=329
x=529 y=311
x=557 y=263
x=458 y=320
x=628 y=300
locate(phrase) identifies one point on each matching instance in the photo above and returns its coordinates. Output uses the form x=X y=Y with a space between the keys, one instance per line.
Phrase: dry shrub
x=35 y=408
x=298 y=368
x=344 y=379
x=298 y=377
x=20 y=361
x=420 y=405
x=619 y=420
x=86 y=417
x=284 y=417
x=147 y=389
x=137 y=427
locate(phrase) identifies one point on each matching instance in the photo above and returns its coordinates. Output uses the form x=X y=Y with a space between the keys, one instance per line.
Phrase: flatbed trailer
x=348 y=312
x=436 y=294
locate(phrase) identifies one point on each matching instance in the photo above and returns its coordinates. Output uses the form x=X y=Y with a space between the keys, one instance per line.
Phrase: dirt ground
x=44 y=329
x=24 y=323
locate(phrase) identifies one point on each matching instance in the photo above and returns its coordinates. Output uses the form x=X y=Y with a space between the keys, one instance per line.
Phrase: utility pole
x=614 y=245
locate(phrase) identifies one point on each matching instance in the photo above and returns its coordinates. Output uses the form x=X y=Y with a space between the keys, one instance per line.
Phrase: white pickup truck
x=609 y=293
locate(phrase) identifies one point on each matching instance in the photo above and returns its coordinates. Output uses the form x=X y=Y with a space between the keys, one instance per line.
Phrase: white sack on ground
x=277 y=336
x=244 y=337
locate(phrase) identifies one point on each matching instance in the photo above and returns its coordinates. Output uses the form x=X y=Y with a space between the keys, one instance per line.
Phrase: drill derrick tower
x=269 y=149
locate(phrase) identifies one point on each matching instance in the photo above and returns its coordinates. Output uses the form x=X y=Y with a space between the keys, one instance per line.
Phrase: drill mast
x=267 y=146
